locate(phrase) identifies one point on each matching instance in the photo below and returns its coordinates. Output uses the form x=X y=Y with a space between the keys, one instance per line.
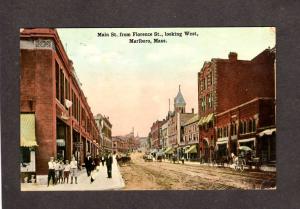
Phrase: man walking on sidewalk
x=109 y=162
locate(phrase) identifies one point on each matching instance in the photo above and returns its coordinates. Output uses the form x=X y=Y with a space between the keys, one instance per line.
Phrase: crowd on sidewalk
x=60 y=172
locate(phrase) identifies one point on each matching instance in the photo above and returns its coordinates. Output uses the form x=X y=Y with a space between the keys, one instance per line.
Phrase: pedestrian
x=51 y=170
x=73 y=170
x=102 y=160
x=61 y=170
x=97 y=162
x=182 y=160
x=88 y=164
x=109 y=162
x=67 y=168
x=57 y=168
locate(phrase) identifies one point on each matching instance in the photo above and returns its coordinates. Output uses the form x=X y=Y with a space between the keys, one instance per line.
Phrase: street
x=141 y=175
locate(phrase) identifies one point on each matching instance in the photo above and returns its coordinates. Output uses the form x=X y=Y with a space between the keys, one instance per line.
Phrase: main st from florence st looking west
x=172 y=119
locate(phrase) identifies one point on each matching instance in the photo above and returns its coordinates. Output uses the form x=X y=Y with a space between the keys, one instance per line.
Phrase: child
x=56 y=167
x=73 y=170
x=67 y=168
x=61 y=169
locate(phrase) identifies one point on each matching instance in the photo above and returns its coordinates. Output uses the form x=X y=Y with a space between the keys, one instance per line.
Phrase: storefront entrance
x=61 y=138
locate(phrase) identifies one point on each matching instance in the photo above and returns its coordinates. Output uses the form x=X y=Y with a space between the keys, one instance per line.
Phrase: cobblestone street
x=165 y=175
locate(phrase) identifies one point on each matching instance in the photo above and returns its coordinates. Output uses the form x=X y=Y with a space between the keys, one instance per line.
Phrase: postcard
x=183 y=108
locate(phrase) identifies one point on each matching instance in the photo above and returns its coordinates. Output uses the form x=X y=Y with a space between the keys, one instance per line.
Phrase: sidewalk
x=101 y=182
x=261 y=168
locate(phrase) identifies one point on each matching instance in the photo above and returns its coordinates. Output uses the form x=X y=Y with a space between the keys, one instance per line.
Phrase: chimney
x=193 y=110
x=232 y=56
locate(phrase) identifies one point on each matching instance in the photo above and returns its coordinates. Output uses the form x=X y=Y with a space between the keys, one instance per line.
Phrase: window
x=201 y=84
x=250 y=126
x=245 y=127
x=62 y=87
x=57 y=80
x=254 y=125
x=210 y=100
x=241 y=128
x=203 y=104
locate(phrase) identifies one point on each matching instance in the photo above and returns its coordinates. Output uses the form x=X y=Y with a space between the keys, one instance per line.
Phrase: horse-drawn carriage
x=123 y=158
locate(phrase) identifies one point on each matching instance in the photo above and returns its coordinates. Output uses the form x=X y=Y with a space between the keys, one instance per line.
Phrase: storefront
x=27 y=147
x=191 y=152
x=222 y=147
x=266 y=145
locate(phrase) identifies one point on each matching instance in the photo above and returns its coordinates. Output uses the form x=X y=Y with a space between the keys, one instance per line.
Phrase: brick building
x=251 y=124
x=227 y=83
x=155 y=134
x=176 y=120
x=105 y=128
x=191 y=138
x=53 y=106
x=120 y=144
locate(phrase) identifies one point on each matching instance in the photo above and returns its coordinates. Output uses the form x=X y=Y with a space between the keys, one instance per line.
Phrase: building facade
x=251 y=124
x=105 y=127
x=155 y=134
x=61 y=118
x=176 y=120
x=191 y=138
x=120 y=145
x=227 y=83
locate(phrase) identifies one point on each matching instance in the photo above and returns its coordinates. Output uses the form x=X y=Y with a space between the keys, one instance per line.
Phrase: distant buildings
x=105 y=128
x=126 y=143
x=155 y=134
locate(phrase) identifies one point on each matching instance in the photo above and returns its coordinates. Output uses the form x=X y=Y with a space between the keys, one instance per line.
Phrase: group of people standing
x=92 y=165
x=59 y=172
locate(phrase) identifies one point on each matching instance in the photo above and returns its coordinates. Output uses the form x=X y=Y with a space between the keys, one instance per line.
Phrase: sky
x=132 y=83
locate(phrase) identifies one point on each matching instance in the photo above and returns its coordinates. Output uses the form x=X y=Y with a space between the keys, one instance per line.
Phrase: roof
x=179 y=100
x=192 y=120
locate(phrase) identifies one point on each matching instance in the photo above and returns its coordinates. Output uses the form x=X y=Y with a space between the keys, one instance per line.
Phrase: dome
x=179 y=100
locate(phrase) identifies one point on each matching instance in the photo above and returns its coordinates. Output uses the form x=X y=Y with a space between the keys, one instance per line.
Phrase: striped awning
x=206 y=119
x=169 y=150
x=192 y=149
x=27 y=132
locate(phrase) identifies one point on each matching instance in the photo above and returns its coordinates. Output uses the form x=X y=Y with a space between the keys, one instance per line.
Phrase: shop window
x=250 y=126
x=241 y=128
x=25 y=154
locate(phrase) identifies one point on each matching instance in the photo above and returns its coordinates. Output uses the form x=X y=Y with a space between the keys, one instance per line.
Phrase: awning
x=27 y=134
x=61 y=142
x=169 y=150
x=267 y=132
x=206 y=119
x=246 y=140
x=209 y=118
x=222 y=140
x=192 y=149
x=201 y=121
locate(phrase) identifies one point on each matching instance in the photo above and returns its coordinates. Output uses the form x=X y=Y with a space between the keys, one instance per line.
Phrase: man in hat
x=109 y=162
